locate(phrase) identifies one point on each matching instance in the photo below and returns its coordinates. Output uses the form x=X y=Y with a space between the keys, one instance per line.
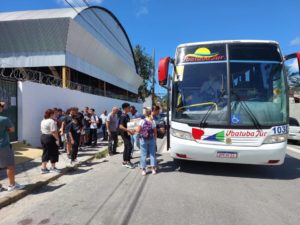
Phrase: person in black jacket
x=75 y=128
x=125 y=134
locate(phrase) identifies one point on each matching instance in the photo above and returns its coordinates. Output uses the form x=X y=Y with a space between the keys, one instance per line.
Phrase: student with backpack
x=148 y=133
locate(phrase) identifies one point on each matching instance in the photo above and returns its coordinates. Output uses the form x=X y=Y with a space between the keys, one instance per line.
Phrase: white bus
x=229 y=102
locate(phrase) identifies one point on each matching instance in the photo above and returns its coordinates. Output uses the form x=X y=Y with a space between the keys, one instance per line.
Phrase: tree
x=161 y=101
x=144 y=67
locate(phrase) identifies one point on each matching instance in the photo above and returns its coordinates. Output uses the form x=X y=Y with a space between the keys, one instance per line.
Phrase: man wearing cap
x=6 y=153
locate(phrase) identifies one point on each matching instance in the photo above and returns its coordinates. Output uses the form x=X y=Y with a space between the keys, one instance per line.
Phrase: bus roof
x=229 y=41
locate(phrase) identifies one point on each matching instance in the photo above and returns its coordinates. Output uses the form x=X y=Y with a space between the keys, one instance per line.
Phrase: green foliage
x=162 y=101
x=144 y=66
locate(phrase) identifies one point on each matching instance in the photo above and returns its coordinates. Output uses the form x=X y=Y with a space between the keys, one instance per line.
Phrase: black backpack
x=99 y=124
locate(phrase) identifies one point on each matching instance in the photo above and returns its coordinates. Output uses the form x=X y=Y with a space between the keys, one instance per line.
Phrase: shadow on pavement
x=20 y=168
x=48 y=188
x=91 y=163
x=76 y=171
x=89 y=149
x=288 y=171
x=85 y=154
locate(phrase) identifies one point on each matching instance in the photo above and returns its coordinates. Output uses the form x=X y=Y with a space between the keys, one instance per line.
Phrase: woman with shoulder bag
x=148 y=133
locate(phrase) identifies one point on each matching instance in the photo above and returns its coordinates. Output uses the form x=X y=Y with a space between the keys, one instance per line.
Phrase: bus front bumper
x=266 y=154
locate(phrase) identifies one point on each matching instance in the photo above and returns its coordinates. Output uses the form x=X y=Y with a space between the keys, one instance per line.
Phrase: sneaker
x=154 y=172
x=144 y=173
x=74 y=162
x=44 y=171
x=130 y=165
x=15 y=187
x=54 y=170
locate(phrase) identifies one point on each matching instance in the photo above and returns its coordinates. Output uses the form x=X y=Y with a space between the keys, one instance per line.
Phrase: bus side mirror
x=293 y=56
x=292 y=66
x=163 y=71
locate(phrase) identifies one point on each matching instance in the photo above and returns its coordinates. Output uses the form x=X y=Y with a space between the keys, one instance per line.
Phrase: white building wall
x=34 y=99
x=148 y=102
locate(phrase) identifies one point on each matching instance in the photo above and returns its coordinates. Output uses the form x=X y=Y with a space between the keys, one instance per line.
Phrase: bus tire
x=179 y=162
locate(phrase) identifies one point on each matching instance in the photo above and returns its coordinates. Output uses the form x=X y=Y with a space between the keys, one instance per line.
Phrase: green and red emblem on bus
x=220 y=136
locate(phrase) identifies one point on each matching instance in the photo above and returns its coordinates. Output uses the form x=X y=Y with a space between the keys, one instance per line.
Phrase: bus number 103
x=281 y=129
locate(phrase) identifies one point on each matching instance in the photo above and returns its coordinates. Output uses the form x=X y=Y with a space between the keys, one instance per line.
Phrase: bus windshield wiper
x=247 y=110
x=208 y=112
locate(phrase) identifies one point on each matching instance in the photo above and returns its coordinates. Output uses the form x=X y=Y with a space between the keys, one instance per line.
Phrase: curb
x=19 y=194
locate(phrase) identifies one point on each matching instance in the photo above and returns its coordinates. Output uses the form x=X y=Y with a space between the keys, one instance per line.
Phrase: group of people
x=70 y=130
x=74 y=129
x=77 y=129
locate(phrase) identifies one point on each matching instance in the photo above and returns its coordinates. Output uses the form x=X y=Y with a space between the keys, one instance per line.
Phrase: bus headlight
x=276 y=139
x=181 y=134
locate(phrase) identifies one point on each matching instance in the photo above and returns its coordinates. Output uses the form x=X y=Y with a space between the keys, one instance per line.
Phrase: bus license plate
x=229 y=155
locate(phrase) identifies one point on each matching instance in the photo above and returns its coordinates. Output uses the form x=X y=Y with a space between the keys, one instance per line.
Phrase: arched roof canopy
x=89 y=39
x=93 y=10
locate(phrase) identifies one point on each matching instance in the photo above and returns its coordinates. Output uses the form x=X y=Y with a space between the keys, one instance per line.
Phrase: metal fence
x=22 y=74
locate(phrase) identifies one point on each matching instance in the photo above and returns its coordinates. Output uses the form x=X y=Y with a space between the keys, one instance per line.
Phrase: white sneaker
x=15 y=187
x=54 y=170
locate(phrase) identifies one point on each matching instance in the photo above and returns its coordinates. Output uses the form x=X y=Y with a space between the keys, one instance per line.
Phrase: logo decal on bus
x=220 y=136
x=197 y=133
x=202 y=55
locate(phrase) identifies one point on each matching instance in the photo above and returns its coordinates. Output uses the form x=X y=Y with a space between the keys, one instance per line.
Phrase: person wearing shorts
x=50 y=143
x=7 y=159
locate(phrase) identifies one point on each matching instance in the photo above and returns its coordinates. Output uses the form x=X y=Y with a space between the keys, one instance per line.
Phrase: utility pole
x=153 y=77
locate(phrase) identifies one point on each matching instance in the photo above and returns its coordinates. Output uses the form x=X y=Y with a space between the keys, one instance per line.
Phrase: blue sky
x=164 y=24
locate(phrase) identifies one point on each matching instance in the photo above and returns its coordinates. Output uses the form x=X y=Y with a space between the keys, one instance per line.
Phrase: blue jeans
x=135 y=139
x=147 y=145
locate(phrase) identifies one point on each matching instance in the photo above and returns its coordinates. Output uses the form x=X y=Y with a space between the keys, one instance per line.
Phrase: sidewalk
x=25 y=153
x=28 y=170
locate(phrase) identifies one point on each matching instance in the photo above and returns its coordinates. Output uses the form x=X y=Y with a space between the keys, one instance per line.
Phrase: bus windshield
x=203 y=88
x=257 y=93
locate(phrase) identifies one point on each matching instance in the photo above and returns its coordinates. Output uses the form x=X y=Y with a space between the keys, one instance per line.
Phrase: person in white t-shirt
x=50 y=142
x=103 y=117
x=93 y=128
x=148 y=133
x=135 y=139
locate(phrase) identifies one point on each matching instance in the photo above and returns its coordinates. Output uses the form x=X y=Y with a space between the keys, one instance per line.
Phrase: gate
x=8 y=94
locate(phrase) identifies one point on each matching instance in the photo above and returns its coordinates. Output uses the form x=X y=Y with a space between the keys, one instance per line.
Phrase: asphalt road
x=104 y=192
